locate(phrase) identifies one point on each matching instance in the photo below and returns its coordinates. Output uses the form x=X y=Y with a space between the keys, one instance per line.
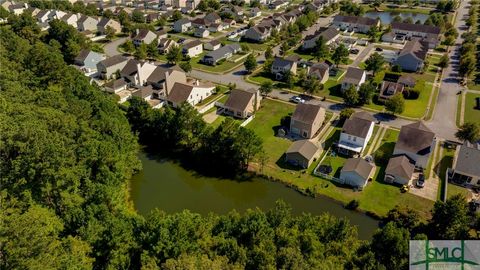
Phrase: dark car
x=378 y=49
x=421 y=181
x=354 y=51
x=180 y=41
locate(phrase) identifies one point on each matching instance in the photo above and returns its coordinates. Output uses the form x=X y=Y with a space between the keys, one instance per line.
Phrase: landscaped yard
x=471 y=114
x=224 y=67
x=444 y=162
x=453 y=190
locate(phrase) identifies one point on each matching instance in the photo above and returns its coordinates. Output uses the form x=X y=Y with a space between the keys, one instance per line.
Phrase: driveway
x=363 y=55
x=111 y=47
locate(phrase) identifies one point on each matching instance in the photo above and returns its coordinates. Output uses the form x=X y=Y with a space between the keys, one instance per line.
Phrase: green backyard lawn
x=471 y=114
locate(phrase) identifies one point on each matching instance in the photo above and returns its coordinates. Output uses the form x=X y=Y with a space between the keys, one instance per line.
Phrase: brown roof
x=415 y=138
x=416 y=27
x=326 y=33
x=114 y=84
x=304 y=147
x=363 y=115
x=320 y=69
x=401 y=166
x=388 y=89
x=358 y=165
x=357 y=127
x=179 y=93
x=114 y=60
x=82 y=55
x=143 y=92
x=142 y=33
x=130 y=68
x=307 y=113
x=157 y=75
x=353 y=75
x=239 y=99
x=416 y=47
x=192 y=44
x=214 y=42
x=407 y=80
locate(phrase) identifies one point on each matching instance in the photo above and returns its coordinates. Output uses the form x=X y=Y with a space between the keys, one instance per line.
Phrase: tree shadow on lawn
x=335 y=91
x=287 y=166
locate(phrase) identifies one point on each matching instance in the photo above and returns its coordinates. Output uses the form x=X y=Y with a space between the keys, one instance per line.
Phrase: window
x=349 y=137
x=305 y=134
x=354 y=139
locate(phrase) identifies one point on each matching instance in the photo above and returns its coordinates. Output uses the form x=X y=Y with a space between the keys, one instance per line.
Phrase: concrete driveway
x=429 y=191
x=111 y=48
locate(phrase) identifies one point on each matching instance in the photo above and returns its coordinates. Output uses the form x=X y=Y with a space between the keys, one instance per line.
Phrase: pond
x=166 y=185
x=387 y=17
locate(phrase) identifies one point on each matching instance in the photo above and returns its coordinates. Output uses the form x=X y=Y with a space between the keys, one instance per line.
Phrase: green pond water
x=166 y=185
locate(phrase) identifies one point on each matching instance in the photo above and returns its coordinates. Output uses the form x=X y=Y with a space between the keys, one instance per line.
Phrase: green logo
x=441 y=252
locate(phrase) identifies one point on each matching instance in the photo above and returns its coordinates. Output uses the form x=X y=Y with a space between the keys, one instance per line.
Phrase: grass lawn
x=336 y=162
x=471 y=114
x=416 y=108
x=222 y=90
x=445 y=161
x=220 y=119
x=219 y=68
x=453 y=190
x=370 y=142
x=435 y=92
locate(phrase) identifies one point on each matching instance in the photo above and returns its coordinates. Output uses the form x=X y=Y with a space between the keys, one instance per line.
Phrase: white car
x=297 y=99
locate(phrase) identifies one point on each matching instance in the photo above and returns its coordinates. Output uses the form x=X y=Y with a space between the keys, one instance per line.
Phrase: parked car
x=297 y=99
x=354 y=51
x=378 y=49
x=180 y=41
x=421 y=181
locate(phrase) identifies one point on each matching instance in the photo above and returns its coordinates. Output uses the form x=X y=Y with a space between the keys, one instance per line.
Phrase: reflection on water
x=387 y=17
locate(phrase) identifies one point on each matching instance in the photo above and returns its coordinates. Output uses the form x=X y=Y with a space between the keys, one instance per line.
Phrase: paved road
x=111 y=48
x=363 y=55
x=443 y=122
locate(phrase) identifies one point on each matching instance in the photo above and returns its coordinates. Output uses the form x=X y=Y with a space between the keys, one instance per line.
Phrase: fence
x=249 y=119
x=207 y=107
x=327 y=176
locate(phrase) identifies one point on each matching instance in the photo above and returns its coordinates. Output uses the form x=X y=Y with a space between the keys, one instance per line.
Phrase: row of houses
x=211 y=22
x=261 y=31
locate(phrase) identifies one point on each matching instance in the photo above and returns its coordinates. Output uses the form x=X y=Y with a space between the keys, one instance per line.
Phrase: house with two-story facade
x=356 y=133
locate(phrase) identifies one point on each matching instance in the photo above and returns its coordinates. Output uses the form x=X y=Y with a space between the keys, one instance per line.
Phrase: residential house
x=302 y=153
x=201 y=33
x=212 y=17
x=192 y=94
x=143 y=92
x=225 y=52
x=257 y=33
x=143 y=36
x=215 y=27
x=182 y=25
x=329 y=35
x=152 y=17
x=18 y=8
x=165 y=44
x=136 y=72
x=353 y=77
x=307 y=120
x=106 y=22
x=319 y=71
x=212 y=45
x=281 y=66
x=87 y=23
x=356 y=172
x=108 y=67
x=162 y=80
x=115 y=86
x=88 y=60
x=413 y=55
x=193 y=48
x=71 y=19
x=227 y=23
x=242 y=103
x=416 y=141
x=466 y=165
x=356 y=133
x=277 y=4
x=389 y=89
x=354 y=23
x=163 y=33
x=407 y=80
x=407 y=31
x=179 y=3
x=399 y=170
x=44 y=16
x=255 y=12
x=34 y=11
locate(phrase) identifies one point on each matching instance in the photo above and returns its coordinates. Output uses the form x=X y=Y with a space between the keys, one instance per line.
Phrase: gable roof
x=306 y=113
x=143 y=92
x=214 y=42
x=321 y=69
x=355 y=20
x=407 y=80
x=363 y=115
x=192 y=44
x=114 y=60
x=182 y=21
x=468 y=159
x=239 y=99
x=416 y=27
x=130 y=68
x=415 y=47
x=353 y=75
x=114 y=84
x=326 y=33
x=358 y=165
x=223 y=51
x=280 y=62
x=159 y=74
x=400 y=166
x=415 y=138
x=142 y=33
x=82 y=55
x=357 y=127
x=305 y=148
x=179 y=93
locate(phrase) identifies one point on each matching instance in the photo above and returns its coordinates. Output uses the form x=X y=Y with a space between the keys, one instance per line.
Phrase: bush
x=411 y=93
x=381 y=158
x=352 y=205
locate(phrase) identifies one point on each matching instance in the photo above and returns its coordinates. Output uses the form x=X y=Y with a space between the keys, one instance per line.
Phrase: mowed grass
x=471 y=114
x=416 y=108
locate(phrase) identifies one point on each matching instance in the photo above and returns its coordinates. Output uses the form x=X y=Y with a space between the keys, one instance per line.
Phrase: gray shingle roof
x=416 y=27
x=357 y=127
x=239 y=99
x=400 y=166
x=416 y=47
x=358 y=165
x=304 y=147
x=179 y=93
x=306 y=113
x=355 y=19
x=114 y=60
x=415 y=138
x=353 y=75
x=468 y=159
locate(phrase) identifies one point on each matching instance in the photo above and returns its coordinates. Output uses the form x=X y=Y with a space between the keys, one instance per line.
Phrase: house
x=356 y=172
x=257 y=33
x=242 y=103
x=44 y=16
x=319 y=71
x=193 y=48
x=115 y=86
x=192 y=94
x=106 y=68
x=88 y=60
x=302 y=153
x=87 y=23
x=255 y=12
x=407 y=80
x=165 y=44
x=228 y=23
x=18 y=8
x=353 y=77
x=106 y=22
x=281 y=66
x=354 y=23
x=412 y=56
x=329 y=35
x=212 y=18
x=356 y=133
x=407 y=31
x=136 y=72
x=201 y=33
x=416 y=141
x=399 y=170
x=389 y=89
x=71 y=19
x=466 y=165
x=225 y=52
x=162 y=80
x=152 y=17
x=215 y=27
x=143 y=92
x=143 y=36
x=307 y=120
x=182 y=25
x=212 y=45
x=162 y=34
x=277 y=4
x=179 y=3
x=34 y=11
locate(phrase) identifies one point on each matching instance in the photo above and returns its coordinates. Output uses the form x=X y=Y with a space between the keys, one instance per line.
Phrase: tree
x=250 y=63
x=373 y=33
x=350 y=96
x=346 y=113
x=138 y=16
x=177 y=15
x=186 y=66
x=284 y=48
x=268 y=53
x=321 y=50
x=366 y=92
x=266 y=88
x=374 y=63
x=128 y=46
x=245 y=48
x=340 y=55
x=174 y=55
x=444 y=61
x=450 y=219
x=152 y=49
x=390 y=245
x=109 y=32
x=289 y=78
x=141 y=52
x=312 y=85
x=468 y=132
x=395 y=104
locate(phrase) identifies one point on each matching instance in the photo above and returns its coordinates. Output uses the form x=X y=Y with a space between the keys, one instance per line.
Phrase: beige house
x=107 y=68
x=466 y=165
x=302 y=153
x=106 y=22
x=356 y=172
x=307 y=120
x=319 y=71
x=87 y=23
x=193 y=48
x=162 y=80
x=242 y=103
x=399 y=170
x=416 y=141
